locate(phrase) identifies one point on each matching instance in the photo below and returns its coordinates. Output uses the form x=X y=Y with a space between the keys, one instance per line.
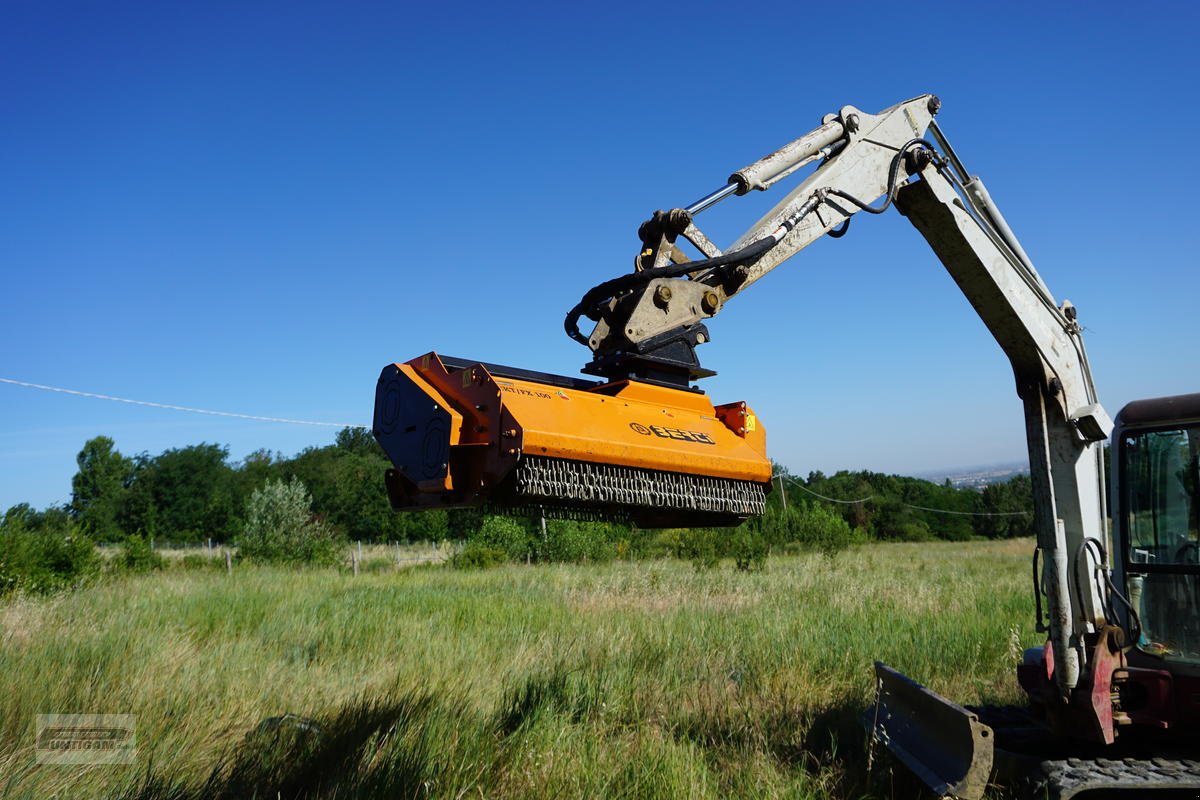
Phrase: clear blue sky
x=253 y=207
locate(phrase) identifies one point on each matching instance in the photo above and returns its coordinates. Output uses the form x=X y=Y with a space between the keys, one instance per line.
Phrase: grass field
x=614 y=680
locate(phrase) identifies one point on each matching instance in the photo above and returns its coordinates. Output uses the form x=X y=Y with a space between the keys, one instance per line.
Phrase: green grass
x=616 y=680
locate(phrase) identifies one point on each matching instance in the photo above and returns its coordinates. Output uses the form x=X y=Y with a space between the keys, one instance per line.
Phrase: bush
x=576 y=542
x=44 y=560
x=503 y=534
x=749 y=550
x=138 y=556
x=820 y=529
x=698 y=545
x=200 y=561
x=478 y=556
x=281 y=529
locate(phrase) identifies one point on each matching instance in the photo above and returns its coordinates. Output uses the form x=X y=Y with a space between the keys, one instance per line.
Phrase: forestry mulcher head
x=462 y=434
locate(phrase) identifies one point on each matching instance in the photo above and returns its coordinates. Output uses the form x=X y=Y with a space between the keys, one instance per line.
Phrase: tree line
x=304 y=508
x=194 y=493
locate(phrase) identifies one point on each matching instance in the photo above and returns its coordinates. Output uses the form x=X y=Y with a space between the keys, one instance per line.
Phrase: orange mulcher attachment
x=463 y=434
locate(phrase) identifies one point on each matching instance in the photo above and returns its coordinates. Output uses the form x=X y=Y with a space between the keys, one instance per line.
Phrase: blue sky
x=254 y=207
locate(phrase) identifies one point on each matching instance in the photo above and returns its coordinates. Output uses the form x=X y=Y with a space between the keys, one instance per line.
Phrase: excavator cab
x=1157 y=523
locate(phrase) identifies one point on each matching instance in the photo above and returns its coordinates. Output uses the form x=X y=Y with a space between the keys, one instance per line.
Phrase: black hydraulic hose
x=1103 y=581
x=841 y=230
x=624 y=283
x=893 y=174
x=1037 y=590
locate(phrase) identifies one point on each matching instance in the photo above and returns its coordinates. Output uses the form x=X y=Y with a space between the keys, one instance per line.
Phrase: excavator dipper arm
x=644 y=318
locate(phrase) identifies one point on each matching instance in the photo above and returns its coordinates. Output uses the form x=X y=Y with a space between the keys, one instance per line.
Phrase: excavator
x=1113 y=694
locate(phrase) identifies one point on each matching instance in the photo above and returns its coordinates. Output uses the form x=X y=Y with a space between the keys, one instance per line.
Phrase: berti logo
x=678 y=434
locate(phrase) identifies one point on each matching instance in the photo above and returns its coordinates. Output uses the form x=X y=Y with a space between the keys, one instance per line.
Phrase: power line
x=910 y=505
x=171 y=407
x=830 y=499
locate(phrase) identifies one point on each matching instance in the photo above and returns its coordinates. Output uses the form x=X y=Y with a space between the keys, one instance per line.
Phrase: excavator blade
x=942 y=743
x=465 y=434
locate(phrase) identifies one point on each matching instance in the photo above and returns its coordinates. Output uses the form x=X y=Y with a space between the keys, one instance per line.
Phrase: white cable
x=910 y=505
x=830 y=499
x=170 y=407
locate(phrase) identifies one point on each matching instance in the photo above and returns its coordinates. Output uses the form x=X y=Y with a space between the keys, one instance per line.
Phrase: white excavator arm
x=649 y=323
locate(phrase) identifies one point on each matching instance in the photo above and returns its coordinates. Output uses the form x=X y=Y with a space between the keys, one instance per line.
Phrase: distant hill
x=977 y=477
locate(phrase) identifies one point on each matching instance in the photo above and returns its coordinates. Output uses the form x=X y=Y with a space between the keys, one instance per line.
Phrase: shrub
x=820 y=529
x=699 y=545
x=749 y=550
x=576 y=542
x=138 y=556
x=281 y=529
x=200 y=561
x=43 y=560
x=913 y=530
x=478 y=556
x=503 y=534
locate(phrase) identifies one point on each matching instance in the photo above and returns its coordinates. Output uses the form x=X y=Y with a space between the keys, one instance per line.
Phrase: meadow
x=639 y=680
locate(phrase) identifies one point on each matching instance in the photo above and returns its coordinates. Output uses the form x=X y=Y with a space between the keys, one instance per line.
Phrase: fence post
x=354 y=563
x=228 y=563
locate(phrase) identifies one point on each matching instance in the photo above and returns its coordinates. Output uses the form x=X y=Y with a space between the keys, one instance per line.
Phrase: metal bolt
x=935 y=104
x=662 y=295
x=710 y=302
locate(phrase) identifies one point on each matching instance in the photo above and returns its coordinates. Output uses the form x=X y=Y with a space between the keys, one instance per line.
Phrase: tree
x=194 y=492
x=348 y=492
x=1010 y=505
x=98 y=488
x=359 y=441
x=281 y=528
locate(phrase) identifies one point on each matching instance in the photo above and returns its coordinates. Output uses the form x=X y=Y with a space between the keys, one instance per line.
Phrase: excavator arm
x=644 y=445
x=648 y=324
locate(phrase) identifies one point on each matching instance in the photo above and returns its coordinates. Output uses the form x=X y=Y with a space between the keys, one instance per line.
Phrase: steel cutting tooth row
x=588 y=484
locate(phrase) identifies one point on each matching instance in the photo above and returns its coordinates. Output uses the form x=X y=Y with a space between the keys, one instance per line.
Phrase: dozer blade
x=464 y=434
x=942 y=743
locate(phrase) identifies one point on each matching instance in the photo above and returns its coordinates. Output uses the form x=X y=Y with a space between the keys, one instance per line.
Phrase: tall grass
x=615 y=680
